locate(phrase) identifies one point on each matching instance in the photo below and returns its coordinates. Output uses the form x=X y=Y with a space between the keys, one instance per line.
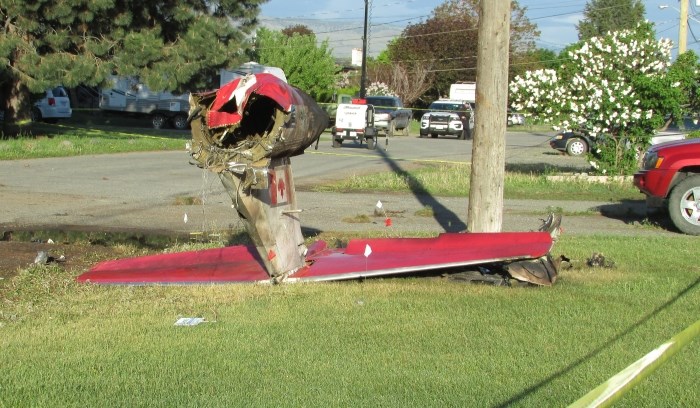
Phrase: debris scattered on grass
x=189 y=321
x=598 y=260
x=43 y=258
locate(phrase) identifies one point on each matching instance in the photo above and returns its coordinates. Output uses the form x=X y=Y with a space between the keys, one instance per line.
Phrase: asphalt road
x=144 y=191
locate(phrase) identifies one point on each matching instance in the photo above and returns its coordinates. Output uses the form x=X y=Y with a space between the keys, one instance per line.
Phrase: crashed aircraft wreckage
x=246 y=133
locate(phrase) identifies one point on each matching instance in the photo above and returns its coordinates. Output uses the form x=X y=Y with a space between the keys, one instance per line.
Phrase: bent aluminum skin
x=246 y=132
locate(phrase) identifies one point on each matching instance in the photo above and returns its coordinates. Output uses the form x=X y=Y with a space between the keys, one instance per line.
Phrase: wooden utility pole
x=363 y=79
x=683 y=28
x=488 y=150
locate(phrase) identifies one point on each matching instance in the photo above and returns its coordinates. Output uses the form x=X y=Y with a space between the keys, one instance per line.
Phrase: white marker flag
x=379 y=204
x=185 y=218
x=368 y=251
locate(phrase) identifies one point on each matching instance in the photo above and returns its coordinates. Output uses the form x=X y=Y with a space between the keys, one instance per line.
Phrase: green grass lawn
x=384 y=342
x=452 y=180
x=90 y=134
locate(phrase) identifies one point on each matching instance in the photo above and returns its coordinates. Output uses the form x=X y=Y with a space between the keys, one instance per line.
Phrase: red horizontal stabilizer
x=361 y=258
x=395 y=256
x=218 y=265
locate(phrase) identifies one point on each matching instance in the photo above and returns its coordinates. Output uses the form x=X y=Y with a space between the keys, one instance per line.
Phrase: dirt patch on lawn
x=75 y=250
x=15 y=256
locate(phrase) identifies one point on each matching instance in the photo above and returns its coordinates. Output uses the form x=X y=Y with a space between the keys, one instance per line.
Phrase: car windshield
x=446 y=106
x=380 y=101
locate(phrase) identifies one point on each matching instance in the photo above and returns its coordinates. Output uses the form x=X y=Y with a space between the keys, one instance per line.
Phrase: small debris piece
x=189 y=321
x=598 y=260
x=42 y=258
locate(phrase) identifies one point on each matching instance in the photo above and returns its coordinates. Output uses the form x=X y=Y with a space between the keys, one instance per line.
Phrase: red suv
x=670 y=176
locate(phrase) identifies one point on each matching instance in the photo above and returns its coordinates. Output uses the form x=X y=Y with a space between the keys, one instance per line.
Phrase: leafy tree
x=446 y=43
x=171 y=45
x=616 y=87
x=685 y=72
x=603 y=16
x=545 y=59
x=299 y=29
x=407 y=80
x=308 y=66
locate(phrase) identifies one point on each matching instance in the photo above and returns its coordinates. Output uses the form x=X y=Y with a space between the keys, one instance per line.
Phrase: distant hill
x=342 y=36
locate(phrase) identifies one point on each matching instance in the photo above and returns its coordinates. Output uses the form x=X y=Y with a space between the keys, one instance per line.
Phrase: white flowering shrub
x=614 y=86
x=379 y=88
x=344 y=80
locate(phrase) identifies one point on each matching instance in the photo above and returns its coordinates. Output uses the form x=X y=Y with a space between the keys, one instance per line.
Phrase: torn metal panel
x=250 y=121
x=246 y=132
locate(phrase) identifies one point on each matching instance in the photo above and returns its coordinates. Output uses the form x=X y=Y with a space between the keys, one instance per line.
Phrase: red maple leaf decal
x=281 y=188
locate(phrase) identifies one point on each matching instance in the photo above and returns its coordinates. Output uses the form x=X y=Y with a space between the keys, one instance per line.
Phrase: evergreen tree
x=174 y=45
x=602 y=16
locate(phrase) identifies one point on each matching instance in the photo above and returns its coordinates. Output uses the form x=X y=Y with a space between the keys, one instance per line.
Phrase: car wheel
x=180 y=122
x=371 y=143
x=158 y=121
x=576 y=147
x=684 y=205
x=36 y=115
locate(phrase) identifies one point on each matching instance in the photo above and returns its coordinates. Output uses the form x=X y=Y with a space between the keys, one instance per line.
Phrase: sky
x=556 y=20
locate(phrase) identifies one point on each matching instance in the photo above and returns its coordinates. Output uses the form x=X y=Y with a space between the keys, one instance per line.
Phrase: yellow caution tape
x=610 y=391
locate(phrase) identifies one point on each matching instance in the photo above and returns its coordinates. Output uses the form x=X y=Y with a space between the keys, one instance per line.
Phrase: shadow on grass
x=634 y=212
x=539 y=169
x=447 y=219
x=524 y=393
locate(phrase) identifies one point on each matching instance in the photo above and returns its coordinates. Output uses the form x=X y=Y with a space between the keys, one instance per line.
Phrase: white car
x=448 y=117
x=53 y=106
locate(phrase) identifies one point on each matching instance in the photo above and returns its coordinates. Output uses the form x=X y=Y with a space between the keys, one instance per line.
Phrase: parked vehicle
x=390 y=115
x=670 y=178
x=54 y=105
x=578 y=143
x=332 y=108
x=355 y=122
x=572 y=143
x=128 y=95
x=448 y=117
x=463 y=91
